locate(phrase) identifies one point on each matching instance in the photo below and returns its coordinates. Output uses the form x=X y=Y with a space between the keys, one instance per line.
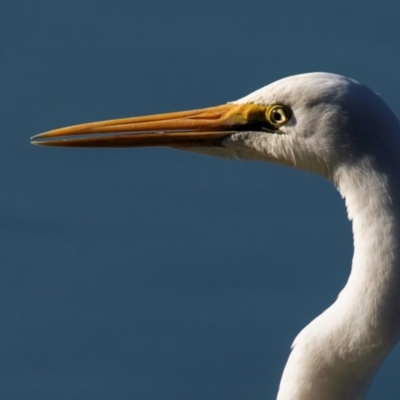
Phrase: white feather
x=343 y=131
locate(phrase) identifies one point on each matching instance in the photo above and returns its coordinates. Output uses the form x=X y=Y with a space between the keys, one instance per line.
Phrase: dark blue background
x=153 y=273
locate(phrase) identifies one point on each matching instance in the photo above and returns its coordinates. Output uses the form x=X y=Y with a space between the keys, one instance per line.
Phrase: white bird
x=338 y=128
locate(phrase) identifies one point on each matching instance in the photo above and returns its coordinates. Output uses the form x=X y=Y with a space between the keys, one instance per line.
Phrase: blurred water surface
x=153 y=273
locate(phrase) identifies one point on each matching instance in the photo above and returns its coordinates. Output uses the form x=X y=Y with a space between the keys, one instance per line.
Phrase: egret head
x=333 y=120
x=312 y=121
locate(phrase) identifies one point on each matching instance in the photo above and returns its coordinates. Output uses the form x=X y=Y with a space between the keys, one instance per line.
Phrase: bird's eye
x=278 y=115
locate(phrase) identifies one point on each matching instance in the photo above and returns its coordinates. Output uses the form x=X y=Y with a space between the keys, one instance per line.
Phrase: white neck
x=336 y=356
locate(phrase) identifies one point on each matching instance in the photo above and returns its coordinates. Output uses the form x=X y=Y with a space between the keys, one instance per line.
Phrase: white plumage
x=338 y=128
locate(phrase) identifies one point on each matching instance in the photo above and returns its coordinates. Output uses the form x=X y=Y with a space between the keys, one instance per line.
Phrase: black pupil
x=277 y=116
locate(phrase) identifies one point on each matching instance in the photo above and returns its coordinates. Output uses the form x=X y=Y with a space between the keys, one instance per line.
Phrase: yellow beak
x=204 y=127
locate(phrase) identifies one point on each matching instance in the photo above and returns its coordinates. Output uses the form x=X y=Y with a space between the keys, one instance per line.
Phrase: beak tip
x=39 y=135
x=36 y=142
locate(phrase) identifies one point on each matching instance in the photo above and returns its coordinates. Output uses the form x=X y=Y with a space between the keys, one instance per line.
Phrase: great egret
x=333 y=126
